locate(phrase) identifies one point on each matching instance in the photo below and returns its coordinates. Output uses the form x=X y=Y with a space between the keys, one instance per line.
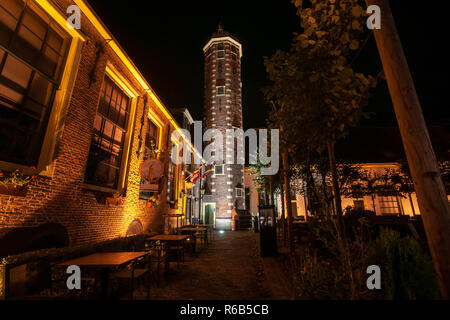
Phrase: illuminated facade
x=80 y=118
x=386 y=204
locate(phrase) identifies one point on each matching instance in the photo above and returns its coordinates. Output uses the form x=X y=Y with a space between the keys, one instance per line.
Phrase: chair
x=202 y=235
x=131 y=272
x=158 y=255
x=59 y=276
x=176 y=253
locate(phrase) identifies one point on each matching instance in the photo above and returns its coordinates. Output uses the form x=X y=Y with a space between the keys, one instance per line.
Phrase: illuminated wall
x=59 y=193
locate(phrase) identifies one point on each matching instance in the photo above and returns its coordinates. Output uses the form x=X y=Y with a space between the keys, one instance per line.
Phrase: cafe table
x=170 y=240
x=210 y=228
x=193 y=230
x=105 y=262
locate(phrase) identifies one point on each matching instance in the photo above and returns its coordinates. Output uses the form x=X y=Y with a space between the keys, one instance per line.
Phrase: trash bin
x=268 y=241
x=255 y=220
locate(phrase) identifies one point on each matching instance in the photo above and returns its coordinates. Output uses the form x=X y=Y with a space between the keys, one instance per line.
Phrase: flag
x=205 y=174
x=194 y=176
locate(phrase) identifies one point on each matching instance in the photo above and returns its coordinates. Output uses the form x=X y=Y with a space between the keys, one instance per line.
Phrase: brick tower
x=224 y=190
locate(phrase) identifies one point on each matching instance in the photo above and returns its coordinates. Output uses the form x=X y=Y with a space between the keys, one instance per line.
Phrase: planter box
x=114 y=201
x=13 y=190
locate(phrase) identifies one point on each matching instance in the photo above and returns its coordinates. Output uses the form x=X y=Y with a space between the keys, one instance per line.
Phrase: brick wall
x=61 y=198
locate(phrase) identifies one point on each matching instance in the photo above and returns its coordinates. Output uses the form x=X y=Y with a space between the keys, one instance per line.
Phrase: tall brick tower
x=224 y=190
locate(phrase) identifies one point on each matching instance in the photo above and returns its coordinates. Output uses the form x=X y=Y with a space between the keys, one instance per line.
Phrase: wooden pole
x=336 y=190
x=287 y=201
x=272 y=202
x=283 y=214
x=431 y=194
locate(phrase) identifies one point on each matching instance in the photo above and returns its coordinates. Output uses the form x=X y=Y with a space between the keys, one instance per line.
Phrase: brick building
x=223 y=110
x=78 y=116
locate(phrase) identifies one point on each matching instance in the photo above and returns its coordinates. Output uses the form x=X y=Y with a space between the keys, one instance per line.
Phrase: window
x=389 y=205
x=151 y=145
x=151 y=139
x=108 y=140
x=220 y=50
x=239 y=192
x=218 y=169
x=358 y=204
x=221 y=91
x=32 y=52
x=172 y=182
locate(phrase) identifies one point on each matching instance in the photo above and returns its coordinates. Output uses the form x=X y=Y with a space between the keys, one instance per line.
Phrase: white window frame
x=223 y=170
x=217 y=90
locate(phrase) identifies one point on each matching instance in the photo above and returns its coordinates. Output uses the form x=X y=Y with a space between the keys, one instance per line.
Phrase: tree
x=314 y=85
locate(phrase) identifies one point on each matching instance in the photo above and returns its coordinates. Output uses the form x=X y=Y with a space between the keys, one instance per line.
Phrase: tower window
x=221 y=90
x=218 y=169
x=234 y=56
x=239 y=192
x=220 y=46
x=220 y=54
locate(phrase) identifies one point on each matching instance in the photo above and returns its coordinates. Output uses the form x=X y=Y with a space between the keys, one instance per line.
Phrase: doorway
x=209 y=213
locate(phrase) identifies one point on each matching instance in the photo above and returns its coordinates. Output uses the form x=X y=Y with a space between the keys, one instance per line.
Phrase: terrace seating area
x=108 y=270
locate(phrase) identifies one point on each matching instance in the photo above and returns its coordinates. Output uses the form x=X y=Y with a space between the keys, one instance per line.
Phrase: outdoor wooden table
x=105 y=261
x=191 y=231
x=168 y=238
x=174 y=215
x=202 y=230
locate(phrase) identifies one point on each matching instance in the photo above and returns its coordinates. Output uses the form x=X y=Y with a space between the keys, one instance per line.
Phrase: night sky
x=165 y=41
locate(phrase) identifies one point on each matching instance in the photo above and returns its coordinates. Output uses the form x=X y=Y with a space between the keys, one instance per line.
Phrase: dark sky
x=165 y=41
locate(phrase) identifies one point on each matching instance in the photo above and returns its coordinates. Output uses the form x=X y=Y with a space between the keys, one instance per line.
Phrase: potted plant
x=15 y=183
x=153 y=201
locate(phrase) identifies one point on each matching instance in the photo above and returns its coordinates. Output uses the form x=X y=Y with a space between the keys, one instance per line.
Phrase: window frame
x=115 y=76
x=217 y=91
x=153 y=117
x=215 y=170
x=382 y=201
x=361 y=200
x=66 y=80
x=173 y=180
x=242 y=192
x=221 y=49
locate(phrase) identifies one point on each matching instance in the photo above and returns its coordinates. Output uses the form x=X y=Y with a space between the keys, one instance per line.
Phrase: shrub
x=354 y=213
x=406 y=271
x=337 y=268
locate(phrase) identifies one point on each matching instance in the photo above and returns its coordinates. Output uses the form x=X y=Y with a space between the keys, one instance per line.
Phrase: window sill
x=47 y=172
x=92 y=187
